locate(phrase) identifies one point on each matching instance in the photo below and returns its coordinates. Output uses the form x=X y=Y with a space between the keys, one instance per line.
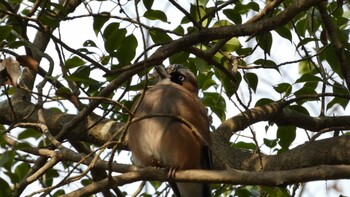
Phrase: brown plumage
x=169 y=142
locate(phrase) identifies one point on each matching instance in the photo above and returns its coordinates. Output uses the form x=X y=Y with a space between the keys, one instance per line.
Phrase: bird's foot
x=172 y=171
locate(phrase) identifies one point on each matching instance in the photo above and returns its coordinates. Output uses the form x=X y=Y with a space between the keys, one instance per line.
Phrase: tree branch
x=336 y=42
x=217 y=33
x=230 y=176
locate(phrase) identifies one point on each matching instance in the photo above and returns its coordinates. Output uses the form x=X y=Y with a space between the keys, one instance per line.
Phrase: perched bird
x=167 y=141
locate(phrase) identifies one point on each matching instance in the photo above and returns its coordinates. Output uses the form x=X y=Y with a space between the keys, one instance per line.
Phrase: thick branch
x=92 y=129
x=290 y=117
x=322 y=152
x=282 y=116
x=336 y=42
x=249 y=117
x=271 y=178
x=273 y=112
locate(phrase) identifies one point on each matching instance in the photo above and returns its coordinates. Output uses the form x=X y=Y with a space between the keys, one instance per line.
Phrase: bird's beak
x=159 y=73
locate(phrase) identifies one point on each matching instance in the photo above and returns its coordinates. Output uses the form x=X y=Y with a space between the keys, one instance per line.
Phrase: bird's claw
x=172 y=171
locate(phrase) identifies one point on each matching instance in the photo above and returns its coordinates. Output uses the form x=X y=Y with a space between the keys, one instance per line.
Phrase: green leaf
x=266 y=63
x=156 y=15
x=82 y=75
x=305 y=90
x=94 y=89
x=7 y=159
x=229 y=86
x=49 y=20
x=2 y=142
x=99 y=21
x=270 y=143
x=185 y=20
x=209 y=82
x=242 y=192
x=5 y=188
x=202 y=66
x=22 y=146
x=21 y=170
x=338 y=101
x=28 y=133
x=180 y=30
x=275 y=191
x=126 y=53
x=202 y=78
x=85 y=80
x=197 y=12
x=85 y=50
x=5 y=32
x=233 y=15
x=57 y=7
x=55 y=109
x=216 y=103
x=64 y=92
x=73 y=62
x=265 y=42
x=343 y=102
x=113 y=37
x=16 y=44
x=232 y=45
x=203 y=2
x=284 y=32
x=89 y=43
x=244 y=51
x=159 y=36
x=222 y=23
x=59 y=192
x=299 y=109
x=253 y=6
x=330 y=56
x=285 y=88
x=263 y=101
x=306 y=41
x=307 y=77
x=49 y=176
x=245 y=8
x=105 y=59
x=252 y=80
x=148 y=4
x=302 y=26
x=245 y=145
x=286 y=136
x=306 y=67
x=86 y=182
x=219 y=57
x=179 y=58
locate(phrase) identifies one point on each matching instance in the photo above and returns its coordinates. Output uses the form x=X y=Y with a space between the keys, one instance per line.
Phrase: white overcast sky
x=76 y=32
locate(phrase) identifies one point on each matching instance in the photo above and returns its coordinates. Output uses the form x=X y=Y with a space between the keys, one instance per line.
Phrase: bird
x=166 y=141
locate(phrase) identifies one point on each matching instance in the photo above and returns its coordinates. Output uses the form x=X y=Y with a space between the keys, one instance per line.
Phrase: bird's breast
x=168 y=141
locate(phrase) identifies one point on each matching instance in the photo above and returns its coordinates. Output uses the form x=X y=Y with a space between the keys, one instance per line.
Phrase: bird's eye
x=181 y=78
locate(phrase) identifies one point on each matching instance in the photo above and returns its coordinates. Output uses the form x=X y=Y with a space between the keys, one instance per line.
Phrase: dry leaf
x=10 y=71
x=4 y=79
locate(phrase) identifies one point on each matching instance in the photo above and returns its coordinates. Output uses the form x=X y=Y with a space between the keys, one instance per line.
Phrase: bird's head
x=183 y=76
x=178 y=74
